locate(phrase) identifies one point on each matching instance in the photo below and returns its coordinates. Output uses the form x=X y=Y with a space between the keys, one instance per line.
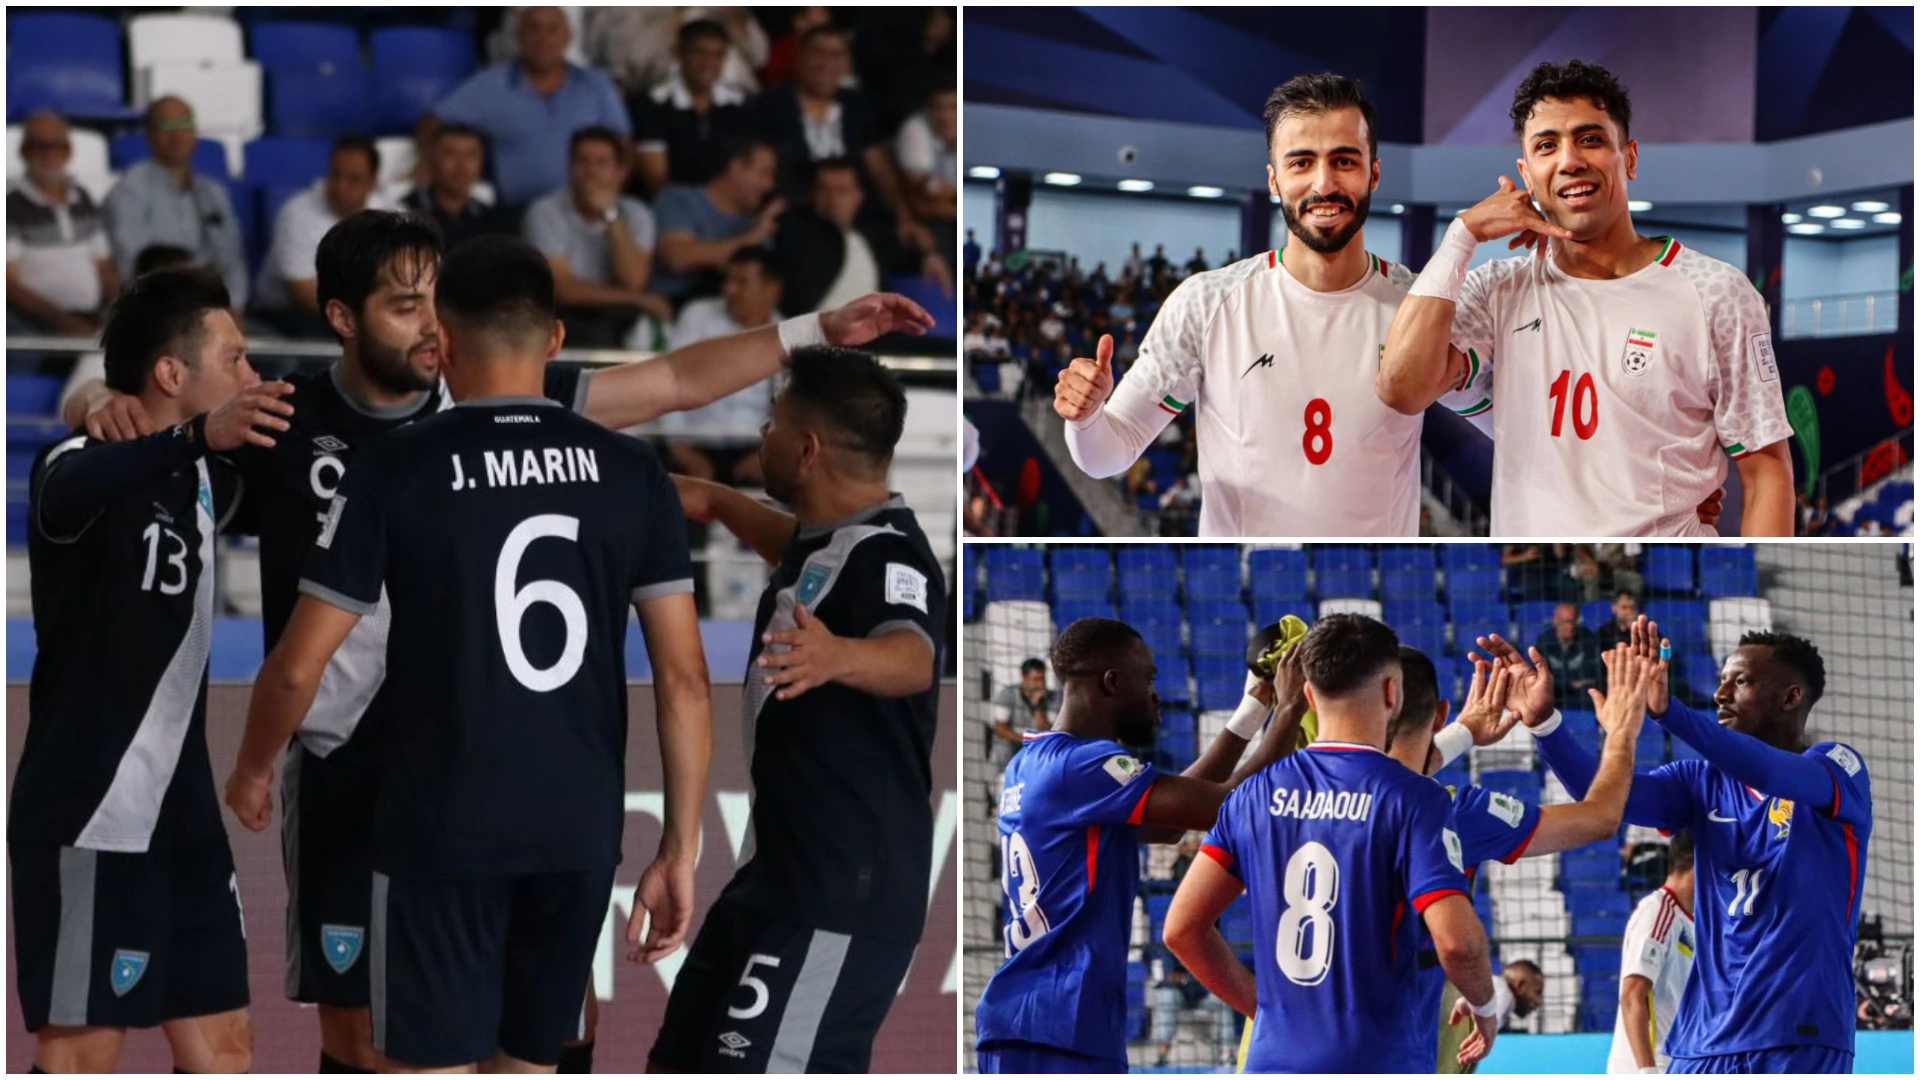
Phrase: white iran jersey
x=1617 y=402
x=1659 y=946
x=1292 y=438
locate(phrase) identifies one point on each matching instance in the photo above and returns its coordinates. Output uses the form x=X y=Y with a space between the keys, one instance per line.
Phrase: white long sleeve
x=1115 y=436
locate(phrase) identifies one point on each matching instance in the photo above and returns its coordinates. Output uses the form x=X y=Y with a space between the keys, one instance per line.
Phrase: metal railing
x=1844 y=479
x=1840 y=315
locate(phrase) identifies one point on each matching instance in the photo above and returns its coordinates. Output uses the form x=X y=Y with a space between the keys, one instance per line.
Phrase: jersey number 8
x=510 y=606
x=1021 y=881
x=1303 y=944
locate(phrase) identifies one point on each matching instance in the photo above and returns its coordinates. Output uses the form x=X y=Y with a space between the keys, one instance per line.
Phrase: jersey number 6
x=510 y=606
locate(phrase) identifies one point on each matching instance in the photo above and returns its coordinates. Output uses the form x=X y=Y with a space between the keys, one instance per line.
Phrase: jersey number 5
x=1586 y=404
x=1021 y=881
x=1303 y=944
x=510 y=606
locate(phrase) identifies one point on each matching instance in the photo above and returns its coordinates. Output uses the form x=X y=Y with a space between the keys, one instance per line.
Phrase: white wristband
x=1452 y=741
x=1446 y=271
x=1547 y=726
x=1498 y=1005
x=800 y=332
x=1249 y=718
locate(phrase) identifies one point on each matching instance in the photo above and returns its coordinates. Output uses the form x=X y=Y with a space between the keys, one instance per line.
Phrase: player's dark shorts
x=463 y=967
x=761 y=995
x=1781 y=1059
x=127 y=940
x=1025 y=1057
x=326 y=847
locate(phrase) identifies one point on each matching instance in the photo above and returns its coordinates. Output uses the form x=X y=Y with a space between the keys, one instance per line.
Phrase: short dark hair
x=1320 y=93
x=159 y=257
x=499 y=285
x=1032 y=664
x=1420 y=696
x=597 y=133
x=854 y=394
x=158 y=314
x=1797 y=653
x=1628 y=593
x=1090 y=646
x=701 y=28
x=742 y=148
x=771 y=265
x=360 y=247
x=823 y=30
x=346 y=144
x=456 y=130
x=1524 y=967
x=833 y=164
x=1343 y=651
x=1573 y=79
x=1680 y=852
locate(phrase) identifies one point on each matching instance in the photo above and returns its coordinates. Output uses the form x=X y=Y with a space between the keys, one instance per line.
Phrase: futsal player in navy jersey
x=1780 y=826
x=1072 y=811
x=1344 y=853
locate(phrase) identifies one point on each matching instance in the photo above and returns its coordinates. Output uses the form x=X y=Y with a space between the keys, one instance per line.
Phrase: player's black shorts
x=760 y=995
x=326 y=847
x=127 y=940
x=463 y=967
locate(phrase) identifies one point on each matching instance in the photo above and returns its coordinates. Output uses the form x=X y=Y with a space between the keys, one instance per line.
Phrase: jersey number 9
x=510 y=606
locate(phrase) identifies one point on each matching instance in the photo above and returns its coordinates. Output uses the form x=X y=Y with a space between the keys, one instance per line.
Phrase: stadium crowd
x=677 y=166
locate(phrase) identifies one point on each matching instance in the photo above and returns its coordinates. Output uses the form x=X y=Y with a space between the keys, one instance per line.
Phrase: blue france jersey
x=1070 y=864
x=1493 y=826
x=1777 y=901
x=1341 y=849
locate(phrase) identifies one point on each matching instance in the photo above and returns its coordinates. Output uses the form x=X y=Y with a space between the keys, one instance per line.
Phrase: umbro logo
x=733 y=1043
x=1534 y=325
x=1264 y=361
x=327 y=444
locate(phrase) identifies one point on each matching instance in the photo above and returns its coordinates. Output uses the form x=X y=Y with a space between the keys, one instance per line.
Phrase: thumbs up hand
x=1085 y=384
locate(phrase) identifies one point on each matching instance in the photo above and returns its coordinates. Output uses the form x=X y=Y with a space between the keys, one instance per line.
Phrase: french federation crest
x=1639 y=355
x=342 y=945
x=1780 y=814
x=128 y=966
x=813 y=581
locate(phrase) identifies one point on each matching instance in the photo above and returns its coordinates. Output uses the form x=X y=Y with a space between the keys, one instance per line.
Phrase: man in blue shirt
x=529 y=108
x=1780 y=830
x=1344 y=853
x=1071 y=812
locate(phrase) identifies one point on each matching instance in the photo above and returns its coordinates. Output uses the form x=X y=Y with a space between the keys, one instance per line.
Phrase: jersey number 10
x=510 y=605
x=1586 y=404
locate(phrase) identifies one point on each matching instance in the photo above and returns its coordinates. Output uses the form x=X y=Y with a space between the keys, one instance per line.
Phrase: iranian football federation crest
x=1639 y=355
x=341 y=945
x=128 y=966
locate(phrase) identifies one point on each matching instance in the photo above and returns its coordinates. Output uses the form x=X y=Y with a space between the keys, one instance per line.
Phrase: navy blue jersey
x=1342 y=849
x=1070 y=860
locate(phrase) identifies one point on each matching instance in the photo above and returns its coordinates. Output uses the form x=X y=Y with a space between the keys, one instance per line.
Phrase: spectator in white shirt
x=287 y=292
x=928 y=148
x=746 y=301
x=59 y=264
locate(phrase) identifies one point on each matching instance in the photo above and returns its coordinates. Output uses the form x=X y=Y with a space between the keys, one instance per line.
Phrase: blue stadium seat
x=1475 y=585
x=1406 y=557
x=1277 y=574
x=1213 y=585
x=17 y=522
x=1162 y=638
x=1473 y=619
x=1595 y=958
x=1669 y=568
x=1483 y=907
x=1138 y=613
x=1519 y=783
x=1267 y=610
x=277 y=162
x=969 y=603
x=1236 y=923
x=986 y=376
x=1454 y=775
x=1068 y=612
x=1595 y=866
x=316 y=105
x=1650 y=749
x=1222 y=692
x=1211 y=557
x=1342 y=557
x=1677 y=750
x=1584 y=726
x=929 y=294
x=1457 y=557
x=1595 y=614
x=71 y=63
x=1599 y=1016
x=1728 y=571
x=1178 y=729
x=1075 y=584
x=1421 y=612
x=1132 y=558
x=1145 y=573
x=1014 y=574
x=1406 y=585
x=1220 y=639
x=1682 y=621
x=1701 y=674
x=414 y=68
x=1531 y=618
x=1343 y=583
x=1232 y=612
x=1455 y=674
x=1174 y=757
x=1079 y=557
x=33 y=395
x=1171 y=680
x=126 y=151
x=305 y=47
x=1429 y=638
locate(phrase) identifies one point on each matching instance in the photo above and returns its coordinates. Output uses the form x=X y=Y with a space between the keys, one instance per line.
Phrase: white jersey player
x=1656 y=958
x=1278 y=354
x=1623 y=371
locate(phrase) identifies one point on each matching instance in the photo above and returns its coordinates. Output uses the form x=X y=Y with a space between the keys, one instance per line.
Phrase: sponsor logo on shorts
x=734 y=1045
x=128 y=966
x=341 y=945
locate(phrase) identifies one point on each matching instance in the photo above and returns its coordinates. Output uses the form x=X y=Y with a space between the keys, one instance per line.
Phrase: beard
x=390 y=370
x=1326 y=243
